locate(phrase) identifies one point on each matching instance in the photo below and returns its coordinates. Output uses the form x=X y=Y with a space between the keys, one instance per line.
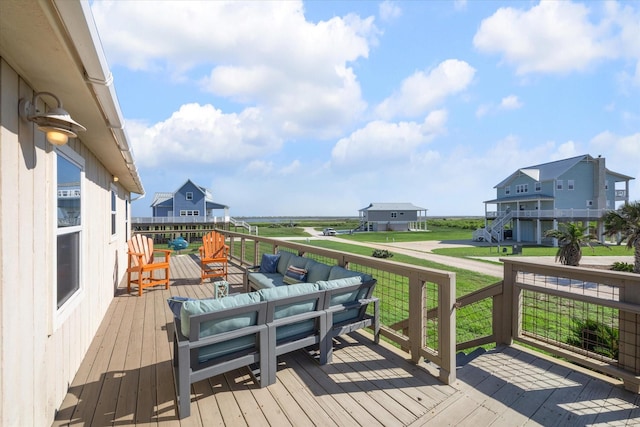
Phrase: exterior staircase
x=494 y=232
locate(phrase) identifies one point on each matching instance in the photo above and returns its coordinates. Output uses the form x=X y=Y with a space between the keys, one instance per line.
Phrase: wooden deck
x=127 y=379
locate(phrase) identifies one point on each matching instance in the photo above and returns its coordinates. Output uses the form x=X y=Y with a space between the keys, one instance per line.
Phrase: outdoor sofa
x=214 y=336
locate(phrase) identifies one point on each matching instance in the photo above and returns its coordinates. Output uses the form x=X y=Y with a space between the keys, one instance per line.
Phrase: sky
x=319 y=108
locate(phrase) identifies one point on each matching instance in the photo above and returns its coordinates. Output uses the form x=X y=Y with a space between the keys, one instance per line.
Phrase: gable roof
x=392 y=207
x=166 y=198
x=546 y=171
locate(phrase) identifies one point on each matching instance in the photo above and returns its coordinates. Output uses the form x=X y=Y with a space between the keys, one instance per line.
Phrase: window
x=570 y=184
x=507 y=190
x=538 y=186
x=126 y=218
x=394 y=214
x=113 y=210
x=189 y=213
x=522 y=188
x=69 y=176
x=589 y=203
x=189 y=195
x=559 y=184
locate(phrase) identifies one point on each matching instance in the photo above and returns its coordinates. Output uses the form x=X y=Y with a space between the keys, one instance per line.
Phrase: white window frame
x=189 y=195
x=559 y=184
x=589 y=203
x=113 y=205
x=538 y=187
x=394 y=214
x=571 y=184
x=507 y=190
x=60 y=315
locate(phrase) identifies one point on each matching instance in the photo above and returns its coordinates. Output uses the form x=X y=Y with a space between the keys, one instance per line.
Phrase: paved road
x=423 y=250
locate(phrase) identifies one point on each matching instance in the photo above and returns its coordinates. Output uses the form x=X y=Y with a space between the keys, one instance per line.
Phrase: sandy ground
x=424 y=249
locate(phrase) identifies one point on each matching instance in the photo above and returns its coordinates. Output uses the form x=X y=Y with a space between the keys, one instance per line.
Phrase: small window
x=394 y=214
x=113 y=210
x=589 y=203
x=522 y=188
x=507 y=190
x=559 y=184
x=538 y=186
x=189 y=195
x=570 y=184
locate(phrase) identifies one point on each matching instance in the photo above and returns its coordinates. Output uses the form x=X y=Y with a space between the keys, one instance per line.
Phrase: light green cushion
x=298 y=261
x=340 y=283
x=338 y=272
x=283 y=262
x=195 y=307
x=294 y=329
x=317 y=271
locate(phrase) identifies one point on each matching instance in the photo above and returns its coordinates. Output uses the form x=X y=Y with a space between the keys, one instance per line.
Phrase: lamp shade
x=56 y=122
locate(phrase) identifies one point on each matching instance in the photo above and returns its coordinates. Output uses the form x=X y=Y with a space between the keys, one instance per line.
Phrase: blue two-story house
x=536 y=198
x=189 y=200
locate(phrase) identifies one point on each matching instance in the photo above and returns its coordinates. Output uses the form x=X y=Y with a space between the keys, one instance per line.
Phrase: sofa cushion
x=294 y=275
x=175 y=304
x=285 y=310
x=298 y=261
x=283 y=262
x=272 y=294
x=317 y=271
x=269 y=263
x=340 y=283
x=338 y=272
x=195 y=307
x=265 y=280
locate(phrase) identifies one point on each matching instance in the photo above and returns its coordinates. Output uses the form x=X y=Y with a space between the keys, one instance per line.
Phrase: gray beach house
x=536 y=198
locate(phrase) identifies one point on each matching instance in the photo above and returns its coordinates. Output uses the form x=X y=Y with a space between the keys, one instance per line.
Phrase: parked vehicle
x=328 y=232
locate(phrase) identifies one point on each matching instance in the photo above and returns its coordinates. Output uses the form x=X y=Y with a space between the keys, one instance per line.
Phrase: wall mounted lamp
x=56 y=123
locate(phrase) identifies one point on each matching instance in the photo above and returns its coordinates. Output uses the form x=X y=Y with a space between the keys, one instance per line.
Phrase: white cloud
x=385 y=142
x=424 y=90
x=389 y=10
x=202 y=134
x=551 y=37
x=510 y=102
x=263 y=54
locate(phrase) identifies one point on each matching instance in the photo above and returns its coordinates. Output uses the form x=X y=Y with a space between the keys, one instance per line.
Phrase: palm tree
x=571 y=237
x=626 y=221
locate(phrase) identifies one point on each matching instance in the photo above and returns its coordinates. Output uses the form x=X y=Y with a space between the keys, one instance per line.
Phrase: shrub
x=595 y=337
x=381 y=253
x=622 y=266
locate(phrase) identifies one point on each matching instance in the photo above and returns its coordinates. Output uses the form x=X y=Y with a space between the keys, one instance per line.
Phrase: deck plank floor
x=126 y=379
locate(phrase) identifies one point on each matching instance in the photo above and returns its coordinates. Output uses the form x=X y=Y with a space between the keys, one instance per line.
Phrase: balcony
x=550 y=214
x=412 y=378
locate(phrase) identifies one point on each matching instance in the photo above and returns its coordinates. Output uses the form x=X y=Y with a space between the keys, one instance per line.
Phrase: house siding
x=180 y=201
x=39 y=359
x=401 y=216
x=582 y=174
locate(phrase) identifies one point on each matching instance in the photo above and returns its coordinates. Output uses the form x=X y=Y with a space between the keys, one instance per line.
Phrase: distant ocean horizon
x=277 y=219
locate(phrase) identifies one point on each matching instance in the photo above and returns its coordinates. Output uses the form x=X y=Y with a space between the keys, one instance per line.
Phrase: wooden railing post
x=629 y=339
x=504 y=311
x=417 y=319
x=447 y=330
